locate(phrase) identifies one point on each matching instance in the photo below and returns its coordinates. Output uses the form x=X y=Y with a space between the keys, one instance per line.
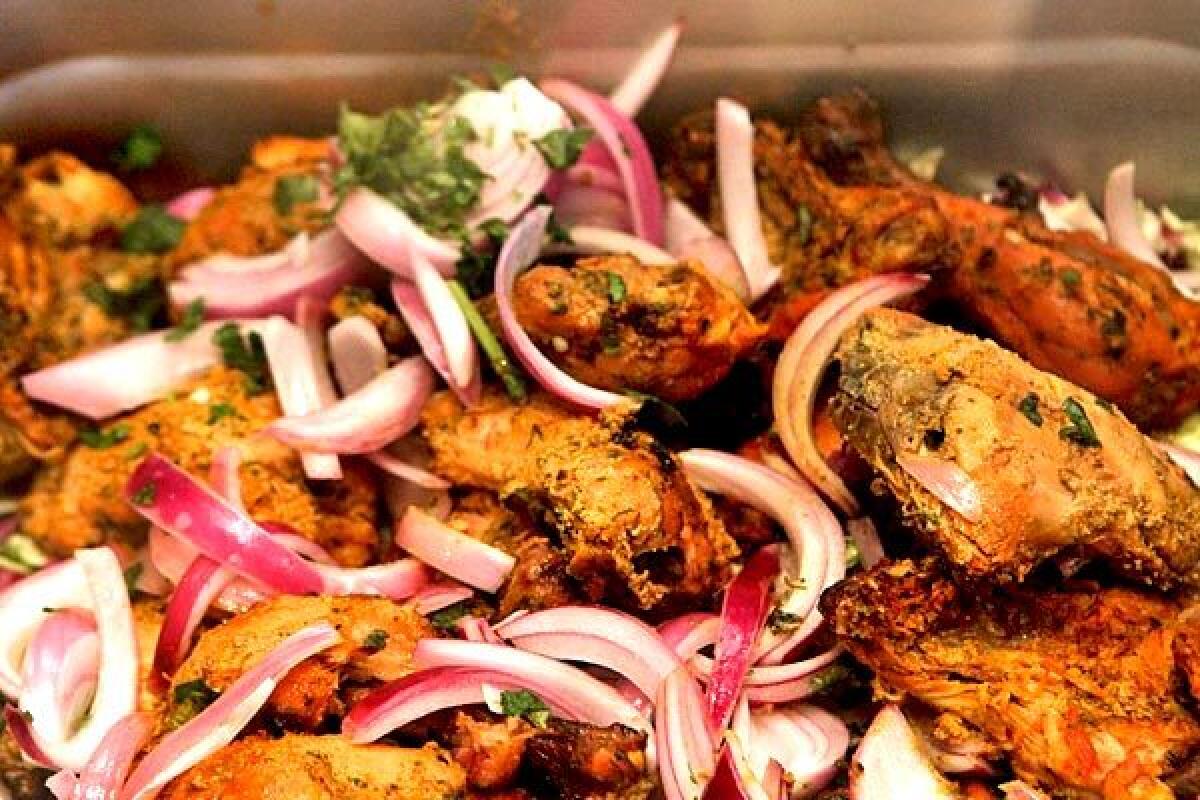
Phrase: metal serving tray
x=1062 y=87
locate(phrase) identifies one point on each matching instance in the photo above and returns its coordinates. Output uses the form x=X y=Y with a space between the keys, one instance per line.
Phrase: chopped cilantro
x=1079 y=430
x=140 y=304
x=1029 y=407
x=1107 y=406
x=376 y=640
x=246 y=354
x=291 y=190
x=828 y=678
x=557 y=233
x=502 y=365
x=140 y=150
x=136 y=451
x=616 y=287
x=447 y=619
x=188 y=700
x=219 y=411
x=415 y=158
x=496 y=230
x=781 y=621
x=525 y=704
x=145 y=495
x=132 y=575
x=1070 y=278
x=561 y=148
x=853 y=554
x=153 y=230
x=610 y=339
x=193 y=315
x=104 y=439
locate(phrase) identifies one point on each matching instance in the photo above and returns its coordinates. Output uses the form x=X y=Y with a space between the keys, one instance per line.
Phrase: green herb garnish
x=781 y=621
x=853 y=554
x=376 y=640
x=153 y=230
x=193 y=315
x=561 y=148
x=1029 y=407
x=447 y=619
x=415 y=158
x=145 y=495
x=188 y=700
x=104 y=439
x=219 y=411
x=136 y=451
x=525 y=704
x=1070 y=278
x=828 y=678
x=291 y=190
x=616 y=287
x=140 y=150
x=1079 y=430
x=132 y=575
x=496 y=230
x=502 y=365
x=246 y=354
x=140 y=304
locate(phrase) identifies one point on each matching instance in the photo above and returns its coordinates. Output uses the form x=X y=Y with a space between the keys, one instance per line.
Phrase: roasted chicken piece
x=301 y=767
x=80 y=502
x=1040 y=467
x=1079 y=686
x=616 y=323
x=378 y=637
x=635 y=530
x=277 y=196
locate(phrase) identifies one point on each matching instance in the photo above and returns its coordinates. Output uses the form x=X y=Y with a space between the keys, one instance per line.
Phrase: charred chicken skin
x=615 y=323
x=635 y=530
x=1085 y=689
x=1056 y=469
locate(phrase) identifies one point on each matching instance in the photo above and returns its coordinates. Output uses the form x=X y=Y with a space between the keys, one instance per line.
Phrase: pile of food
x=479 y=452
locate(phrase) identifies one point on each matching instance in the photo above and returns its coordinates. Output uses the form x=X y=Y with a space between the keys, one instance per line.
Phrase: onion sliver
x=946 y=481
x=600 y=636
x=385 y=234
x=818 y=550
x=647 y=72
x=626 y=146
x=580 y=696
x=105 y=773
x=449 y=322
x=365 y=421
x=801 y=364
x=456 y=554
x=689 y=237
x=409 y=472
x=217 y=725
x=890 y=763
x=519 y=252
x=126 y=375
x=808 y=742
x=420 y=323
x=442 y=595
x=188 y=205
x=357 y=352
x=691 y=633
x=19 y=727
x=1121 y=216
x=23 y=608
x=59 y=672
x=739 y=196
x=602 y=241
x=743 y=615
x=1187 y=459
x=684 y=747
x=774 y=684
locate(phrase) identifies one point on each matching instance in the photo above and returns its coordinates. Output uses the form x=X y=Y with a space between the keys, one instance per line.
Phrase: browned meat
x=636 y=532
x=1077 y=685
x=491 y=750
x=299 y=767
x=378 y=637
x=616 y=323
x=1056 y=469
x=80 y=502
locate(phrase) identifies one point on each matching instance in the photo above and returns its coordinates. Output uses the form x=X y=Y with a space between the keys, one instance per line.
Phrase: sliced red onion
x=784 y=683
x=439 y=596
x=105 y=772
x=188 y=205
x=601 y=241
x=449 y=322
x=579 y=204
x=688 y=237
x=960 y=763
x=477 y=629
x=398 y=580
x=385 y=234
x=1187 y=459
x=116 y=682
x=310 y=319
x=580 y=696
x=739 y=196
x=421 y=323
x=596 y=176
x=60 y=670
x=647 y=73
x=365 y=421
x=611 y=639
x=691 y=633
x=456 y=554
x=263 y=285
x=172 y=557
x=808 y=742
x=23 y=608
x=684 y=747
x=401 y=469
x=946 y=481
x=519 y=252
x=818 y=551
x=125 y=376
x=1020 y=790
x=626 y=146
x=866 y=538
x=1121 y=216
x=18 y=724
x=1062 y=213
x=400 y=495
x=217 y=725
x=802 y=363
x=890 y=763
x=743 y=615
x=357 y=352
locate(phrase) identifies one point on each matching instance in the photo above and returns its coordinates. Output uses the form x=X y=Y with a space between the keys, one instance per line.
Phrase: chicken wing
x=635 y=530
x=378 y=637
x=1055 y=469
x=613 y=322
x=302 y=767
x=1078 y=686
x=80 y=503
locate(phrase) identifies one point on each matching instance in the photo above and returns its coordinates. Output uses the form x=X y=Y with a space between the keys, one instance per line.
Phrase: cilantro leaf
x=104 y=439
x=291 y=190
x=525 y=704
x=447 y=619
x=1079 y=429
x=616 y=287
x=246 y=354
x=153 y=230
x=188 y=700
x=145 y=496
x=140 y=150
x=219 y=411
x=141 y=303
x=193 y=315
x=561 y=148
x=376 y=640
x=1029 y=407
